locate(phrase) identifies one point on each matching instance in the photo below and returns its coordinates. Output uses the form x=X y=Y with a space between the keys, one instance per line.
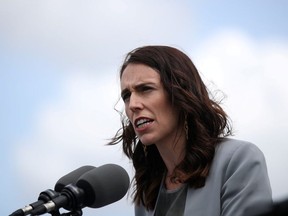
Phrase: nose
x=135 y=102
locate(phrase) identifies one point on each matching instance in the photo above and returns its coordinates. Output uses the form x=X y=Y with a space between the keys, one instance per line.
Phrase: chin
x=146 y=141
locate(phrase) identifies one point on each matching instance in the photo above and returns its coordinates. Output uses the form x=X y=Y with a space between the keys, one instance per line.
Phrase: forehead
x=135 y=74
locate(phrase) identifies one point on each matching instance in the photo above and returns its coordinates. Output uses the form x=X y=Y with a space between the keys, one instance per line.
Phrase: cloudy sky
x=59 y=63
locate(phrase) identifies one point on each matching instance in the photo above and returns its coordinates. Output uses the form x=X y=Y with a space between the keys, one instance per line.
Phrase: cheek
x=172 y=115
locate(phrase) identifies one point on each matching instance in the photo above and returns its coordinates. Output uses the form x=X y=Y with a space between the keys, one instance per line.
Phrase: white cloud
x=71 y=132
x=92 y=32
x=253 y=75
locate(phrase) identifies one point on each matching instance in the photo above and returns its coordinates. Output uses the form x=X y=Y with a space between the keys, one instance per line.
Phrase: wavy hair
x=207 y=123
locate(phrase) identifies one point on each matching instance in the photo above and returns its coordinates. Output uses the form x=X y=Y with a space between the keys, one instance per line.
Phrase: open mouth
x=140 y=123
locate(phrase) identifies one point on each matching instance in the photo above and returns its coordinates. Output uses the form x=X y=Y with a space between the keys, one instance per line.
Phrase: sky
x=59 y=87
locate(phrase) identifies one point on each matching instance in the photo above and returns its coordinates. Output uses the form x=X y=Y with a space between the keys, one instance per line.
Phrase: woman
x=176 y=136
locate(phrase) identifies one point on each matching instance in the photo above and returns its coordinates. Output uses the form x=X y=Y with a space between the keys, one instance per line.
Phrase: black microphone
x=49 y=194
x=96 y=188
x=72 y=177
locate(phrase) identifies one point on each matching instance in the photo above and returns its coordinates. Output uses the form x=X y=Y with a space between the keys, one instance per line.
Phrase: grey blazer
x=237 y=185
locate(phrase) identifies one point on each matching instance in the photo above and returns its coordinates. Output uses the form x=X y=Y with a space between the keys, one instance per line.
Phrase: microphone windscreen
x=71 y=178
x=104 y=185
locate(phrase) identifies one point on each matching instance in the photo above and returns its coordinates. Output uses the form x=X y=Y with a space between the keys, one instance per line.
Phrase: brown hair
x=207 y=123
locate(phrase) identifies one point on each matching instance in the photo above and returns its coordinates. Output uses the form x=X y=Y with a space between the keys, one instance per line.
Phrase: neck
x=172 y=152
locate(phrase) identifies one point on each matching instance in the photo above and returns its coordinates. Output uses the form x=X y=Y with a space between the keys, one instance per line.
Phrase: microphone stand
x=75 y=197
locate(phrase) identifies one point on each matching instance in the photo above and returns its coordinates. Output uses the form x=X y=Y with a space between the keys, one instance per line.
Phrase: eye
x=125 y=96
x=145 y=88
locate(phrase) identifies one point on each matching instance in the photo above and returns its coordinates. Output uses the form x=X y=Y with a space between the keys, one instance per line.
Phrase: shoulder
x=240 y=168
x=230 y=154
x=232 y=147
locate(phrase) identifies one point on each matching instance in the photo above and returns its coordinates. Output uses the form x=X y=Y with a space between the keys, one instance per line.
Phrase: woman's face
x=147 y=105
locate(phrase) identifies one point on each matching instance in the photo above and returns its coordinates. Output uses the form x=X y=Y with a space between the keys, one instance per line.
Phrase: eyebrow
x=137 y=87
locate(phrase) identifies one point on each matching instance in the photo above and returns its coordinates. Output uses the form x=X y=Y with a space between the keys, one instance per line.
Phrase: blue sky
x=58 y=81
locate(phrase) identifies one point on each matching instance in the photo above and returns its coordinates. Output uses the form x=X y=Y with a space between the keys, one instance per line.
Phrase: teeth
x=142 y=123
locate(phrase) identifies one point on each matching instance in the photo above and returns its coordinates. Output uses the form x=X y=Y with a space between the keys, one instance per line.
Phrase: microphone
x=104 y=185
x=96 y=188
x=72 y=177
x=49 y=194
